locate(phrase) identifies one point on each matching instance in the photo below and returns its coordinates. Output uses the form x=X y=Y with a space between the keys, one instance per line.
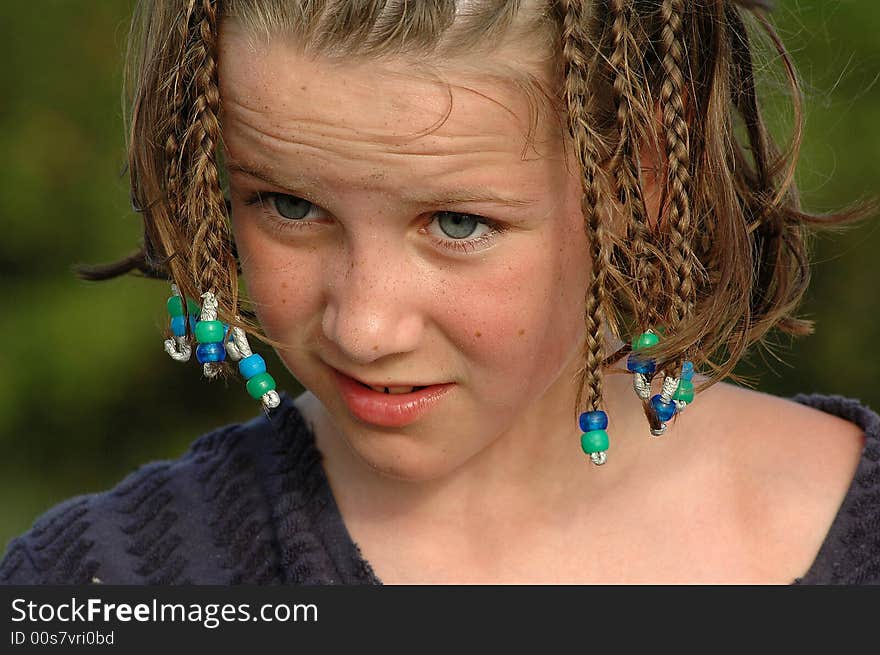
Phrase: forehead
x=394 y=103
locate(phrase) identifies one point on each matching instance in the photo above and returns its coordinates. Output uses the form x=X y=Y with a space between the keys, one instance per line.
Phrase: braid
x=678 y=162
x=626 y=157
x=175 y=127
x=579 y=99
x=174 y=133
x=212 y=266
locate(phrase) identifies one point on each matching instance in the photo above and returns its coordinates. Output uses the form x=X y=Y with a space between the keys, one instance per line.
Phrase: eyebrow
x=459 y=195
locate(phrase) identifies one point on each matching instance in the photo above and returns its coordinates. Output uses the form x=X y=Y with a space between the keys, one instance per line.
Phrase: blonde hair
x=725 y=261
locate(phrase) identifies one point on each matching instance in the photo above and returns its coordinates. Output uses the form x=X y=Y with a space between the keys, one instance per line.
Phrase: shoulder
x=808 y=441
x=196 y=519
x=800 y=465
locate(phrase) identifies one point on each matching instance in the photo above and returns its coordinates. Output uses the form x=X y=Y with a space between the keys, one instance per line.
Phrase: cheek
x=278 y=279
x=521 y=318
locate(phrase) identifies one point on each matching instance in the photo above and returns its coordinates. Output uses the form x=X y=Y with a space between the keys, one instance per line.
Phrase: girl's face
x=376 y=250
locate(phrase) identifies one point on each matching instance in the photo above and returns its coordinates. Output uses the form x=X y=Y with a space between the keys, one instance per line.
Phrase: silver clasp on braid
x=670 y=384
x=642 y=386
x=209 y=313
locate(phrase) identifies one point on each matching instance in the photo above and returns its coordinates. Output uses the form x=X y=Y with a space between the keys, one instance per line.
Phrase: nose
x=372 y=308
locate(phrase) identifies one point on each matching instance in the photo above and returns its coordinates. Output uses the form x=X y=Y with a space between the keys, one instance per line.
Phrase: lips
x=388 y=409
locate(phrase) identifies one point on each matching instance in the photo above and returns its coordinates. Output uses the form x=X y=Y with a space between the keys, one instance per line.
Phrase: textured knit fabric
x=250 y=503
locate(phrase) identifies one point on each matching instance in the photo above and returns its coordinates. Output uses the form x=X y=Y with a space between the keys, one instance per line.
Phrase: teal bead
x=175 y=306
x=260 y=384
x=645 y=340
x=684 y=392
x=594 y=441
x=209 y=332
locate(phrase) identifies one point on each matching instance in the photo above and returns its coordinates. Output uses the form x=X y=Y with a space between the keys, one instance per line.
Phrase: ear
x=652 y=165
x=652 y=162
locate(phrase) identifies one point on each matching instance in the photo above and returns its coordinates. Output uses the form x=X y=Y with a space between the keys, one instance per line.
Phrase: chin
x=398 y=458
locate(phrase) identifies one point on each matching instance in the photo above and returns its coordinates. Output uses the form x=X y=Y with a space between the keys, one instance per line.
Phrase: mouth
x=389 y=406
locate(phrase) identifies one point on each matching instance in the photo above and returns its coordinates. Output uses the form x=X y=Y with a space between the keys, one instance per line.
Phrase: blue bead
x=251 y=366
x=687 y=371
x=178 y=325
x=665 y=411
x=597 y=420
x=639 y=364
x=210 y=352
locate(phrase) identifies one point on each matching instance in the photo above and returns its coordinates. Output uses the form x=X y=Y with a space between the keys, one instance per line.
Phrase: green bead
x=644 y=340
x=684 y=391
x=260 y=384
x=594 y=441
x=209 y=331
x=193 y=307
x=175 y=306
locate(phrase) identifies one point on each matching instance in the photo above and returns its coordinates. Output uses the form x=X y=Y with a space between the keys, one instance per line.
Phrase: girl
x=495 y=241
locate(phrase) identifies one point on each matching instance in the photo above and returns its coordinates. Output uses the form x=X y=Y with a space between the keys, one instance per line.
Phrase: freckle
x=303 y=87
x=375 y=347
x=283 y=301
x=284 y=285
x=521 y=332
x=478 y=334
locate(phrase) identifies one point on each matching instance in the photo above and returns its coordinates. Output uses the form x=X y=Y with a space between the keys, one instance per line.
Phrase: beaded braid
x=579 y=100
x=676 y=308
x=212 y=265
x=678 y=164
x=197 y=203
x=626 y=79
x=177 y=345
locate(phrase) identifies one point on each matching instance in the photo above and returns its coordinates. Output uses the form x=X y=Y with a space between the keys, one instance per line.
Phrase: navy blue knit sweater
x=250 y=503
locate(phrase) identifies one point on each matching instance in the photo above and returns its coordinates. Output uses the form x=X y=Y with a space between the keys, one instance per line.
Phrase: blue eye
x=460 y=226
x=290 y=206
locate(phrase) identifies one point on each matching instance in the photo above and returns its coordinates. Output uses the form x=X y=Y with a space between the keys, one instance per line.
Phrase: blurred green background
x=86 y=391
